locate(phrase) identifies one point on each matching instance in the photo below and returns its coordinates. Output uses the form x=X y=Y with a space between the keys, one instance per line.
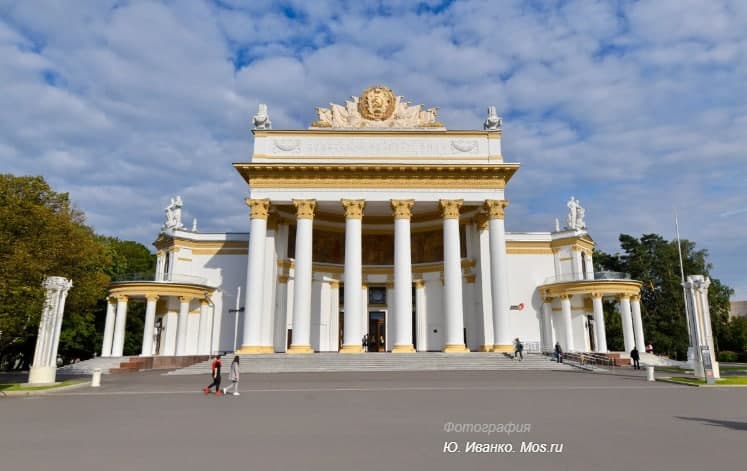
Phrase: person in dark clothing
x=215 y=373
x=558 y=353
x=635 y=357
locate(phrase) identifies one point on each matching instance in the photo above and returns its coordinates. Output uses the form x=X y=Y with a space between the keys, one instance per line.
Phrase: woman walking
x=234 y=376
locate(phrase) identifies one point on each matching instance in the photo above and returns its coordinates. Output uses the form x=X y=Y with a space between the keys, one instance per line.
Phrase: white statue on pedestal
x=493 y=122
x=576 y=213
x=44 y=368
x=261 y=120
x=174 y=214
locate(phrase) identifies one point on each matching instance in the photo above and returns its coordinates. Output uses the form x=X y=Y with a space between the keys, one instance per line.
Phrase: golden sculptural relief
x=377 y=107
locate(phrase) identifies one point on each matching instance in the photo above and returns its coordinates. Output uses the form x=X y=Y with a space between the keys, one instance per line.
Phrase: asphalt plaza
x=361 y=421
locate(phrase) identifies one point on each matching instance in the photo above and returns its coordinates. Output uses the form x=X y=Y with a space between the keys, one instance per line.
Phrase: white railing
x=599 y=275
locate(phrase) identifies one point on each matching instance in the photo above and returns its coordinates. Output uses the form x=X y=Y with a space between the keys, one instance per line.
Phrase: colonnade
x=402 y=210
x=116 y=320
x=630 y=314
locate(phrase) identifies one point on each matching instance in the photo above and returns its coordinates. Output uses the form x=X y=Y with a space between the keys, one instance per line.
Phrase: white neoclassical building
x=375 y=223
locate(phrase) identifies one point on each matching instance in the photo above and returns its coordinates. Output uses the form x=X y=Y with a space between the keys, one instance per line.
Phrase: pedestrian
x=365 y=343
x=635 y=357
x=518 y=349
x=234 y=377
x=215 y=374
x=558 y=353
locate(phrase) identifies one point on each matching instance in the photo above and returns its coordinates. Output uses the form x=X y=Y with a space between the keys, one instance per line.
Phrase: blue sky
x=633 y=107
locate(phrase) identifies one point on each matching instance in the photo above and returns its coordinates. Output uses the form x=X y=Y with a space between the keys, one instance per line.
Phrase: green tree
x=42 y=234
x=655 y=262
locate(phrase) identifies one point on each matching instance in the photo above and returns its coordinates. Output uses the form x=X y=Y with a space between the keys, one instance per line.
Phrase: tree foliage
x=42 y=234
x=654 y=261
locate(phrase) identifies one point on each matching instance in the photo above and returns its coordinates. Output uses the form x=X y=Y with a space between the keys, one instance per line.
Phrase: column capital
x=185 y=299
x=564 y=296
x=469 y=278
x=450 y=208
x=272 y=222
x=259 y=208
x=547 y=299
x=481 y=219
x=283 y=279
x=353 y=208
x=402 y=209
x=152 y=297
x=635 y=298
x=496 y=208
x=623 y=296
x=204 y=302
x=305 y=208
x=121 y=298
x=596 y=295
x=419 y=283
x=334 y=284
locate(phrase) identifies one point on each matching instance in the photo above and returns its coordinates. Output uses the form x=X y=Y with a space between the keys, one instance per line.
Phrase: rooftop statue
x=173 y=214
x=377 y=107
x=493 y=122
x=261 y=120
x=576 y=214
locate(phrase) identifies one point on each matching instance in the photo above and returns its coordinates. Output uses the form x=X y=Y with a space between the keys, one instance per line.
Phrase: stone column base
x=300 y=349
x=351 y=349
x=42 y=375
x=403 y=349
x=486 y=348
x=503 y=348
x=456 y=348
x=252 y=350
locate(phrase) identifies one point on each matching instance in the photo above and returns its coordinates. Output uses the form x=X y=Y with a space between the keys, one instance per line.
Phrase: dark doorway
x=590 y=324
x=377 y=331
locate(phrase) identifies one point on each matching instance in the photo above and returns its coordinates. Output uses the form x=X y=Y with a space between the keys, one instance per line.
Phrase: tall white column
x=106 y=347
x=353 y=277
x=44 y=367
x=252 y=336
x=565 y=306
x=453 y=303
x=499 y=275
x=149 y=324
x=181 y=327
x=269 y=286
x=302 y=285
x=420 y=317
x=484 y=284
x=599 y=328
x=627 y=322
x=403 y=276
x=203 y=333
x=635 y=306
x=547 y=340
x=119 y=327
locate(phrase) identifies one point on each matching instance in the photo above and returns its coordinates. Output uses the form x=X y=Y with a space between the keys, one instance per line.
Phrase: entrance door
x=376 y=331
x=590 y=323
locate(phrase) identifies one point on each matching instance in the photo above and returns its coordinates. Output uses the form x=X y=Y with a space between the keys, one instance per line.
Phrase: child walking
x=234 y=376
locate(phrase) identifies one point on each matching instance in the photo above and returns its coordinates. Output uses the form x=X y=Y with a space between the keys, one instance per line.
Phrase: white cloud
x=634 y=108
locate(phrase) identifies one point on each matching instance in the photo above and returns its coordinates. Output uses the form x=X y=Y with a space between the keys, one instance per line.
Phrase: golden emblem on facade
x=377 y=103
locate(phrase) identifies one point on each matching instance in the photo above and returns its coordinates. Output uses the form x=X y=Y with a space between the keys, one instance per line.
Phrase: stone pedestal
x=44 y=367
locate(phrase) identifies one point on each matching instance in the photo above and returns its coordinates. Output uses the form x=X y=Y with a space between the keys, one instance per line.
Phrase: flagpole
x=684 y=290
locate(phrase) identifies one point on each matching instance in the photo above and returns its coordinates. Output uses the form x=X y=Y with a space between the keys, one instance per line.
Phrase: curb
x=44 y=392
x=681 y=383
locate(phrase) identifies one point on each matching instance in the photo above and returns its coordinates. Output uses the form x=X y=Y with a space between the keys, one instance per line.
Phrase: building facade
x=375 y=229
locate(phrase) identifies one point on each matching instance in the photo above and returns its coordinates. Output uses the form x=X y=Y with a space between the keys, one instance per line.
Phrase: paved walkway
x=376 y=421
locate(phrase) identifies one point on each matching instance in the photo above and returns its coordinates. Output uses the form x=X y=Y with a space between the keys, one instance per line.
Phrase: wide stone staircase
x=421 y=361
x=86 y=367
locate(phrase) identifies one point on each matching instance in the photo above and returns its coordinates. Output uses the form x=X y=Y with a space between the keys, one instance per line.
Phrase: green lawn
x=741 y=380
x=25 y=387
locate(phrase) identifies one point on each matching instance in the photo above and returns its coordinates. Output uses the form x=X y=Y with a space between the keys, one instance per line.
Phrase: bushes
x=727 y=356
